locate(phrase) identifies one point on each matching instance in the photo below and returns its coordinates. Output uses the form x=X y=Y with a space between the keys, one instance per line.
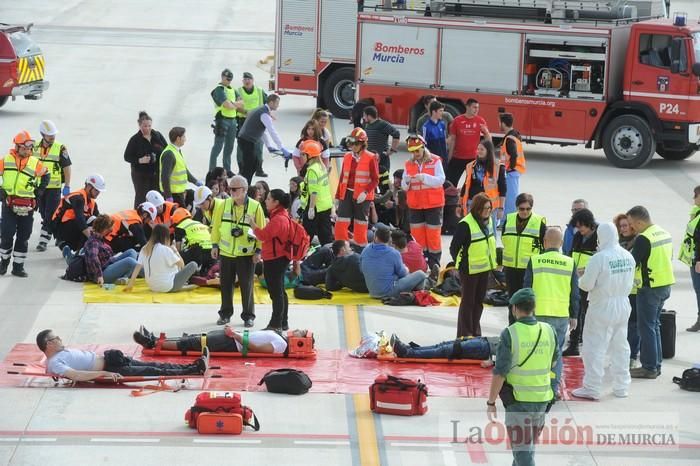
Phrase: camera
x=237 y=232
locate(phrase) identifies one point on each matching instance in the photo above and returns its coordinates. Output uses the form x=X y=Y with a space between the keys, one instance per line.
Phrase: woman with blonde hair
x=164 y=269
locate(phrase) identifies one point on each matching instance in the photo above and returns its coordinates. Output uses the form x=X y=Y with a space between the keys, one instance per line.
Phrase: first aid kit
x=397 y=395
x=215 y=413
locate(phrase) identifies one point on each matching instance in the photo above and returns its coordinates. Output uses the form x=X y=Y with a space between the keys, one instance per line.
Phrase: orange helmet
x=179 y=215
x=415 y=142
x=22 y=138
x=357 y=134
x=311 y=148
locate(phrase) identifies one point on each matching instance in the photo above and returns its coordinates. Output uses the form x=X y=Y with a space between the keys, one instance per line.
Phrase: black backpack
x=311 y=292
x=76 y=270
x=690 y=380
x=289 y=381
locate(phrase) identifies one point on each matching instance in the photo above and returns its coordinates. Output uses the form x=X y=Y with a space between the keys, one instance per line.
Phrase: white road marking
x=38 y=439
x=125 y=440
x=9 y=439
x=322 y=442
x=213 y=440
x=421 y=445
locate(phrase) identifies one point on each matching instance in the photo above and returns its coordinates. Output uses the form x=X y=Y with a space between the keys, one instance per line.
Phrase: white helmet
x=48 y=128
x=150 y=208
x=97 y=182
x=201 y=194
x=155 y=198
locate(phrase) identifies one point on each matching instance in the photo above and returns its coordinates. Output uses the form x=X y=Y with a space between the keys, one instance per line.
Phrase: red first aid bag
x=220 y=403
x=220 y=423
x=397 y=395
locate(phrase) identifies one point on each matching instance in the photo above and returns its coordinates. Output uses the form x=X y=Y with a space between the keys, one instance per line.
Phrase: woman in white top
x=164 y=269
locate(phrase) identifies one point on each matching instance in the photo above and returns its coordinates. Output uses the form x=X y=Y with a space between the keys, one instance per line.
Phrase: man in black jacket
x=345 y=270
x=314 y=267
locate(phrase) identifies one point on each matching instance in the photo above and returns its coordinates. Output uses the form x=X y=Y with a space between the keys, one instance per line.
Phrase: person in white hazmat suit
x=608 y=279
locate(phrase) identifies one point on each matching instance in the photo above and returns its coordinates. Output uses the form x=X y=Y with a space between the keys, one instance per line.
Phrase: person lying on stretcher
x=483 y=348
x=226 y=340
x=83 y=366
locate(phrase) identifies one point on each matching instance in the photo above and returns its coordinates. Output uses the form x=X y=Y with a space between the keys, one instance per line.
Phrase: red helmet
x=22 y=137
x=311 y=148
x=415 y=142
x=357 y=134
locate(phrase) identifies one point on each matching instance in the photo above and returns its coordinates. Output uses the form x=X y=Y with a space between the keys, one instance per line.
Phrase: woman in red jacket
x=275 y=260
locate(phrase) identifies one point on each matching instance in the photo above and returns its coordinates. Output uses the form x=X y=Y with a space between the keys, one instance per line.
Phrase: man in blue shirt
x=384 y=271
x=434 y=131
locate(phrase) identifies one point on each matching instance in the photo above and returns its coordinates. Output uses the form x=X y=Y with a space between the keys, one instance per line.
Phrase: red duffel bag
x=397 y=395
x=222 y=403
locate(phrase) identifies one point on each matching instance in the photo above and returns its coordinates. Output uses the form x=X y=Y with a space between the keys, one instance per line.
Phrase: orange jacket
x=66 y=211
x=520 y=154
x=490 y=185
x=420 y=195
x=366 y=175
x=128 y=217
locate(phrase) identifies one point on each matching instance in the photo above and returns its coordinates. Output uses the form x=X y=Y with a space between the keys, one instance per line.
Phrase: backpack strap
x=244 y=344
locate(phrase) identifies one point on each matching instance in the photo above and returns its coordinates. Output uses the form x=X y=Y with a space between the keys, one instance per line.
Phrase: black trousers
x=455 y=168
x=471 y=305
x=115 y=361
x=143 y=181
x=15 y=232
x=124 y=243
x=202 y=257
x=320 y=226
x=69 y=233
x=250 y=161
x=217 y=342
x=576 y=335
x=242 y=268
x=514 y=280
x=274 y=271
x=47 y=205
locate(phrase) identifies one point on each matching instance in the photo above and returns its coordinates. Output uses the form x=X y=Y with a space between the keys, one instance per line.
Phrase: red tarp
x=333 y=371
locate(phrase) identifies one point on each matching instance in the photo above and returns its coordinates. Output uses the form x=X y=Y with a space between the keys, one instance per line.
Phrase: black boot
x=18 y=270
x=695 y=327
x=4 y=264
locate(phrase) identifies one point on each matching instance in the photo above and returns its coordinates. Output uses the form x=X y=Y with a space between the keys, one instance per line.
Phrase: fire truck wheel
x=628 y=142
x=671 y=154
x=339 y=92
x=3 y=100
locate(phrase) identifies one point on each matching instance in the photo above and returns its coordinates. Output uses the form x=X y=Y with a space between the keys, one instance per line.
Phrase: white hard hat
x=97 y=182
x=201 y=194
x=155 y=198
x=48 y=128
x=150 y=208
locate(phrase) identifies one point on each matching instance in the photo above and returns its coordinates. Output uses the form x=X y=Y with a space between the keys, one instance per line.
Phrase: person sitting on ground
x=345 y=269
x=225 y=340
x=315 y=266
x=411 y=252
x=483 y=348
x=165 y=270
x=384 y=271
x=101 y=265
x=82 y=366
x=70 y=220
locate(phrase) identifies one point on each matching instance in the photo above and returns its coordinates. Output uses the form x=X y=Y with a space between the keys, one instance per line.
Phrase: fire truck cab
x=21 y=64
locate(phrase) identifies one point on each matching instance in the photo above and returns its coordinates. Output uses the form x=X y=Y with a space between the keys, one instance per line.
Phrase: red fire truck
x=598 y=75
x=21 y=64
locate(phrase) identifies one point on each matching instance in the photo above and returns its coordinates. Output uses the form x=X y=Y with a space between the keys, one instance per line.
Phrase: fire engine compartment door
x=338 y=30
x=398 y=55
x=480 y=60
x=297 y=33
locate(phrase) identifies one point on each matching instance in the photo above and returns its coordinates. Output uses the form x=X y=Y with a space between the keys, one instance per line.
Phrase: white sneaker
x=634 y=363
x=621 y=393
x=583 y=392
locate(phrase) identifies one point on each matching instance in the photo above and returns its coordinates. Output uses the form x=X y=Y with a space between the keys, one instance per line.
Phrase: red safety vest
x=362 y=175
x=419 y=195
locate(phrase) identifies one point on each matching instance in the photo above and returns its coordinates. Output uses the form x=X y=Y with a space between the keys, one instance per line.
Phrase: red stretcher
x=297 y=348
x=393 y=358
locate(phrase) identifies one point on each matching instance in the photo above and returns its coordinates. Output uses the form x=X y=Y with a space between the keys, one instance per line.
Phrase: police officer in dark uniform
x=226 y=102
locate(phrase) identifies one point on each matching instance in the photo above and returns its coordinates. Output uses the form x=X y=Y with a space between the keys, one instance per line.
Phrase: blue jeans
x=121 y=267
x=471 y=348
x=695 y=277
x=632 y=330
x=650 y=301
x=512 y=190
x=560 y=326
x=410 y=282
x=524 y=422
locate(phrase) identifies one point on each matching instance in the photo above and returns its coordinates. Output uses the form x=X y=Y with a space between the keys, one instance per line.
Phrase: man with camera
x=237 y=249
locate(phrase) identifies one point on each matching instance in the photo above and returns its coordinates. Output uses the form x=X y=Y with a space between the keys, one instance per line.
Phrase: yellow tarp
x=93 y=293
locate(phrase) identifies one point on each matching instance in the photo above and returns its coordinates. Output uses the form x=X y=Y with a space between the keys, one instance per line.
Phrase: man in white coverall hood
x=608 y=279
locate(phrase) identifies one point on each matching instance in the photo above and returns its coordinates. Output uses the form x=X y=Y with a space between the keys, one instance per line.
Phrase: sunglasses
x=236 y=188
x=28 y=144
x=525 y=209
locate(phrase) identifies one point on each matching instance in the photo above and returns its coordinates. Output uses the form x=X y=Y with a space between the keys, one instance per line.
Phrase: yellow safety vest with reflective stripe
x=659 y=267
x=303 y=195
x=52 y=162
x=230 y=95
x=196 y=234
x=252 y=100
x=207 y=214
x=531 y=382
x=481 y=255
x=519 y=247
x=19 y=183
x=233 y=216
x=320 y=186
x=551 y=281
x=687 y=251
x=178 y=177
